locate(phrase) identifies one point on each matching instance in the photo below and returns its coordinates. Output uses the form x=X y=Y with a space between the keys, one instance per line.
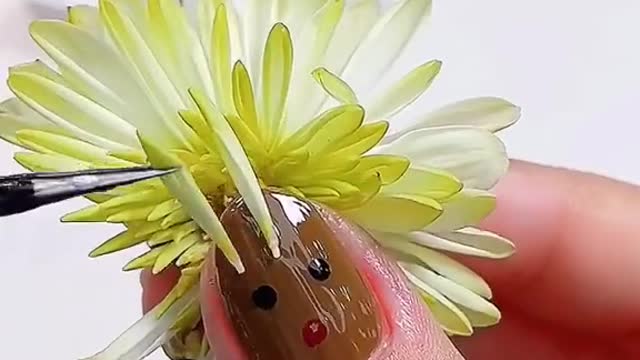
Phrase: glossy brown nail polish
x=311 y=303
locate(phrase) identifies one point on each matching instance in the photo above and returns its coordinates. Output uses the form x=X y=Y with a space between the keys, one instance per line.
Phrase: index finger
x=578 y=248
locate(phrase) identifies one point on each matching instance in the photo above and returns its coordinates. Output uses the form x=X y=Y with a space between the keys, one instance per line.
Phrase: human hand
x=570 y=292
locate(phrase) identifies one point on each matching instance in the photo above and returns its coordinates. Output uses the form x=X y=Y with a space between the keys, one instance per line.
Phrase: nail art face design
x=311 y=303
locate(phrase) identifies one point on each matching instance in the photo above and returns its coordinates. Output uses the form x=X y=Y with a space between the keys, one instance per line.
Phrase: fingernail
x=311 y=303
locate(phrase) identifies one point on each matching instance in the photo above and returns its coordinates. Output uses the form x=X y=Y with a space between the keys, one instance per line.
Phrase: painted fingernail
x=311 y=303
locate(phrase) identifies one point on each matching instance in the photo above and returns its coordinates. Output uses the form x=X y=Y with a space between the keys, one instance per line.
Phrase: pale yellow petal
x=184 y=188
x=453 y=291
x=475 y=156
x=440 y=263
x=468 y=241
x=448 y=315
x=149 y=73
x=403 y=92
x=433 y=183
x=311 y=48
x=358 y=18
x=240 y=170
x=276 y=76
x=465 y=208
x=220 y=61
x=60 y=102
x=490 y=113
x=384 y=42
x=396 y=213
x=334 y=86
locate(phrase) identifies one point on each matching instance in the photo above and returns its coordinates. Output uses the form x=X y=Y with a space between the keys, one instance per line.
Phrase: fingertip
x=156 y=286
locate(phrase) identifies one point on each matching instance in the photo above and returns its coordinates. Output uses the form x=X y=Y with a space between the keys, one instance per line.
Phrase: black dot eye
x=319 y=269
x=265 y=297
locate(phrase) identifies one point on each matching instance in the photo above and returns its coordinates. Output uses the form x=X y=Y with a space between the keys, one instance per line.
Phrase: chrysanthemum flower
x=274 y=97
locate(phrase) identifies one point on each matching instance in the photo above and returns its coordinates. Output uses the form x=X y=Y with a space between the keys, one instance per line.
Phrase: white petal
x=463 y=209
x=142 y=337
x=475 y=156
x=479 y=319
x=16 y=116
x=490 y=113
x=87 y=18
x=296 y=13
x=309 y=52
x=358 y=18
x=468 y=241
x=64 y=103
x=453 y=291
x=96 y=71
x=206 y=14
x=449 y=316
x=220 y=61
x=405 y=91
x=157 y=85
x=440 y=263
x=385 y=41
x=177 y=47
x=258 y=19
x=276 y=80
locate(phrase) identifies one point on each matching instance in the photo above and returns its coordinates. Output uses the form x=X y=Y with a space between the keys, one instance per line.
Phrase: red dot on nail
x=314 y=332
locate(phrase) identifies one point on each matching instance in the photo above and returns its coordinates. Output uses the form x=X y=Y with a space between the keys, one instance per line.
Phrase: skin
x=570 y=291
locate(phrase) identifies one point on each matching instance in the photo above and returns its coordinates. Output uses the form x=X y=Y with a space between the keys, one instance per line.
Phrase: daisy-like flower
x=274 y=97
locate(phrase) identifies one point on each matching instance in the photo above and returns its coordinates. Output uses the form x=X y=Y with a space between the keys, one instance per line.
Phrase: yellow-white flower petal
x=206 y=13
x=87 y=18
x=396 y=213
x=12 y=122
x=141 y=338
x=48 y=162
x=440 y=263
x=296 y=13
x=148 y=72
x=244 y=97
x=310 y=51
x=256 y=23
x=276 y=77
x=449 y=316
x=466 y=208
x=334 y=86
x=123 y=240
x=453 y=291
x=384 y=42
x=97 y=71
x=432 y=183
x=184 y=188
x=177 y=48
x=467 y=241
x=404 y=92
x=172 y=252
x=240 y=170
x=475 y=156
x=15 y=115
x=357 y=19
x=46 y=142
x=63 y=103
x=490 y=113
x=220 y=60
x=479 y=319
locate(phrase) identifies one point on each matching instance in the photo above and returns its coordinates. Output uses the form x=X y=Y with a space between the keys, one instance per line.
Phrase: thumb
x=279 y=308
